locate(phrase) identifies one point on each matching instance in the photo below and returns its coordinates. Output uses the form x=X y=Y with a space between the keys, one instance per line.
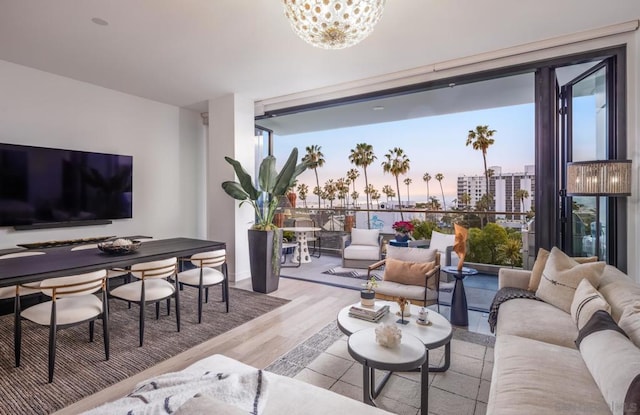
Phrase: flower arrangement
x=370 y=284
x=403 y=227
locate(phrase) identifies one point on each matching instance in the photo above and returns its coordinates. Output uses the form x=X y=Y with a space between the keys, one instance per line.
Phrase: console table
x=60 y=262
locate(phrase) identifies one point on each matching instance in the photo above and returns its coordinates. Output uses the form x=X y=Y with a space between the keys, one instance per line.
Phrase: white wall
x=41 y=109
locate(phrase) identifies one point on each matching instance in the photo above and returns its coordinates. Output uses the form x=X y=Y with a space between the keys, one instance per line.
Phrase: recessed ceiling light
x=99 y=21
x=378 y=108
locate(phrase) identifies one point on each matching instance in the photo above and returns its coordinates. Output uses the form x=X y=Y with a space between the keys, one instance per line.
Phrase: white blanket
x=166 y=393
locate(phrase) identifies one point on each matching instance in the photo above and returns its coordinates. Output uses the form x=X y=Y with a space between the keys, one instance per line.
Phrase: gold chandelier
x=333 y=24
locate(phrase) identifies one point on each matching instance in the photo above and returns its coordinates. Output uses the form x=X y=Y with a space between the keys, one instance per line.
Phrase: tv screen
x=45 y=185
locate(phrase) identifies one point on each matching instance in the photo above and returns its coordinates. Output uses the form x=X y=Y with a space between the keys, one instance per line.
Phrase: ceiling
x=184 y=52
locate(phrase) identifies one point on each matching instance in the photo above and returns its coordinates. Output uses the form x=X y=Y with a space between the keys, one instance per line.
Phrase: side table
x=459 y=311
x=409 y=355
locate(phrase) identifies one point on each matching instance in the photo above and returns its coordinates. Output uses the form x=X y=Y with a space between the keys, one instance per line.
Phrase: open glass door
x=586 y=122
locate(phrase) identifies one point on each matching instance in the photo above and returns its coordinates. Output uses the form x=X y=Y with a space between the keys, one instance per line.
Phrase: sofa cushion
x=410 y=273
x=538 y=321
x=533 y=377
x=619 y=290
x=561 y=276
x=365 y=237
x=362 y=252
x=204 y=404
x=630 y=322
x=586 y=301
x=541 y=261
x=614 y=362
x=411 y=292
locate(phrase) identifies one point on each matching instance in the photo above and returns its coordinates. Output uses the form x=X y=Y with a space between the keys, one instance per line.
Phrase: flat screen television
x=41 y=185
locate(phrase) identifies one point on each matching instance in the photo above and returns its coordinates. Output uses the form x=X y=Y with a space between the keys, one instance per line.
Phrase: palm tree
x=362 y=156
x=375 y=195
x=343 y=189
x=480 y=139
x=439 y=178
x=303 y=190
x=408 y=181
x=314 y=159
x=521 y=195
x=330 y=190
x=434 y=203
x=426 y=177
x=352 y=175
x=465 y=200
x=388 y=191
x=397 y=163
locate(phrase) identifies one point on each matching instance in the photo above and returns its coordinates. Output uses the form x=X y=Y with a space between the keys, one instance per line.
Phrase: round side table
x=409 y=355
x=459 y=311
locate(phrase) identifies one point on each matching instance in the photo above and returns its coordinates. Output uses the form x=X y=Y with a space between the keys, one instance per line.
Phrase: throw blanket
x=505 y=294
x=166 y=393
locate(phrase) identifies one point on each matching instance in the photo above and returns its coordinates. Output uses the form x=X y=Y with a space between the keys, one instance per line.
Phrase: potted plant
x=265 y=239
x=403 y=230
x=368 y=294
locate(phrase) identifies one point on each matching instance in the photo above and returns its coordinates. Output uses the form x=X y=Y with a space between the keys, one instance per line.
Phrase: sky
x=433 y=144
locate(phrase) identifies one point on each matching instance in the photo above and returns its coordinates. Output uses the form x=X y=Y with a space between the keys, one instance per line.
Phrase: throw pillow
x=538 y=267
x=613 y=361
x=411 y=254
x=630 y=322
x=364 y=236
x=541 y=261
x=205 y=404
x=561 y=276
x=586 y=301
x=409 y=273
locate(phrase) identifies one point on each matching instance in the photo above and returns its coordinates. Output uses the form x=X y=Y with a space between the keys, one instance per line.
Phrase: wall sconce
x=609 y=178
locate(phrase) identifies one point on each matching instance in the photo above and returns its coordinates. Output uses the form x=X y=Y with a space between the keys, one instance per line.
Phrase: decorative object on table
x=368 y=294
x=403 y=230
x=423 y=316
x=120 y=246
x=265 y=239
x=402 y=303
x=388 y=335
x=332 y=24
x=460 y=244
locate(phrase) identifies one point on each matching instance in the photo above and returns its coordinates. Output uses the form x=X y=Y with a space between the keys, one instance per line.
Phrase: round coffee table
x=410 y=354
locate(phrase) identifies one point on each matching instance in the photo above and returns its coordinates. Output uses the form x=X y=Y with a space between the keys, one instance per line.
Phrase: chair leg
x=141 y=324
x=225 y=284
x=52 y=349
x=177 y=294
x=105 y=327
x=157 y=310
x=206 y=297
x=169 y=306
x=17 y=332
x=200 y=289
x=91 y=330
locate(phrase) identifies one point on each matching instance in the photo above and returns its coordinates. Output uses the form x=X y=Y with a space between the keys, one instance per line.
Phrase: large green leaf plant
x=274 y=184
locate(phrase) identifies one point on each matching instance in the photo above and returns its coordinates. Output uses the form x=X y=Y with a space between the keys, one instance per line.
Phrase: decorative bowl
x=119 y=246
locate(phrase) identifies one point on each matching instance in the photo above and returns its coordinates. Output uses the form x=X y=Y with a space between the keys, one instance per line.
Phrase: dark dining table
x=62 y=261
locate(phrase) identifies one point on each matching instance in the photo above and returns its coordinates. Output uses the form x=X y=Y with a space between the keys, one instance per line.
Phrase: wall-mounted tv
x=41 y=185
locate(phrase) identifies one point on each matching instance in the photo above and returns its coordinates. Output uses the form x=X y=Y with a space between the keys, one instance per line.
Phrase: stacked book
x=373 y=313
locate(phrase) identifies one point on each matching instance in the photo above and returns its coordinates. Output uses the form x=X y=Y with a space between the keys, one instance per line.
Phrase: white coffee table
x=409 y=355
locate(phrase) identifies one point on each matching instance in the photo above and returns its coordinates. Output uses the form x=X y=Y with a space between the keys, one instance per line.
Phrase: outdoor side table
x=409 y=355
x=459 y=311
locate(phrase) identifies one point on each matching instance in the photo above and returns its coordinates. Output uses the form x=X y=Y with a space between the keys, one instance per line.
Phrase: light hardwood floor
x=258 y=342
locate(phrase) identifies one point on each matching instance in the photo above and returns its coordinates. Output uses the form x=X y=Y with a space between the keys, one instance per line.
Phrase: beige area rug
x=323 y=360
x=80 y=366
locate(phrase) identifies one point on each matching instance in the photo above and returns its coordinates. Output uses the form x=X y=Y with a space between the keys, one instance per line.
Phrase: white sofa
x=539 y=369
x=282 y=395
x=361 y=248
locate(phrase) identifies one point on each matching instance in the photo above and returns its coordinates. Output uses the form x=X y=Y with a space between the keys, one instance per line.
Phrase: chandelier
x=333 y=24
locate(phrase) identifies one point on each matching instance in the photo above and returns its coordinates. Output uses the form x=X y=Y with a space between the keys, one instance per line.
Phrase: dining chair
x=206 y=275
x=111 y=273
x=312 y=237
x=73 y=302
x=153 y=285
x=26 y=289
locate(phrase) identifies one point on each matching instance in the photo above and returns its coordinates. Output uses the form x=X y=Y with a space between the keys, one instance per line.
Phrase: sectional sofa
x=538 y=366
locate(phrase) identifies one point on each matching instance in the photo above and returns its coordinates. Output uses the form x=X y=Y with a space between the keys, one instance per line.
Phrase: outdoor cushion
x=440 y=241
x=411 y=254
x=630 y=322
x=410 y=292
x=409 y=273
x=586 y=301
x=362 y=252
x=561 y=276
x=365 y=237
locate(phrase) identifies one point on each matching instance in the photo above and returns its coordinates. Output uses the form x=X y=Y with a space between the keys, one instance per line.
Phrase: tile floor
x=462 y=390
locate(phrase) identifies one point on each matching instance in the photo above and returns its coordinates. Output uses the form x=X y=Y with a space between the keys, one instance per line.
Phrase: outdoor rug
x=80 y=366
x=353 y=273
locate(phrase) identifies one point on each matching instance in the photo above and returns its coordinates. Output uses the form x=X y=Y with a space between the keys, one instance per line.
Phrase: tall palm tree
x=375 y=195
x=408 y=181
x=388 y=191
x=352 y=175
x=397 y=163
x=465 y=200
x=303 y=190
x=426 y=177
x=314 y=159
x=439 y=178
x=434 y=203
x=480 y=139
x=521 y=195
x=331 y=191
x=362 y=156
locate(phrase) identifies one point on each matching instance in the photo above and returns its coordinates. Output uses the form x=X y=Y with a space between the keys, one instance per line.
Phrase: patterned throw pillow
x=561 y=276
x=541 y=261
x=586 y=301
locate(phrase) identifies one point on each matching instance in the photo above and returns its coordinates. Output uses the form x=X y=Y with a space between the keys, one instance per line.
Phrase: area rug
x=80 y=366
x=353 y=273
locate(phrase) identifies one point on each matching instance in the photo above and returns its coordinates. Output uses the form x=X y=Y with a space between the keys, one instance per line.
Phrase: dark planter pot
x=402 y=237
x=264 y=259
x=367 y=297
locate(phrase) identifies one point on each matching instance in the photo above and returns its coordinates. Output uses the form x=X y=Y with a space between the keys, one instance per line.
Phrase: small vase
x=402 y=237
x=367 y=298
